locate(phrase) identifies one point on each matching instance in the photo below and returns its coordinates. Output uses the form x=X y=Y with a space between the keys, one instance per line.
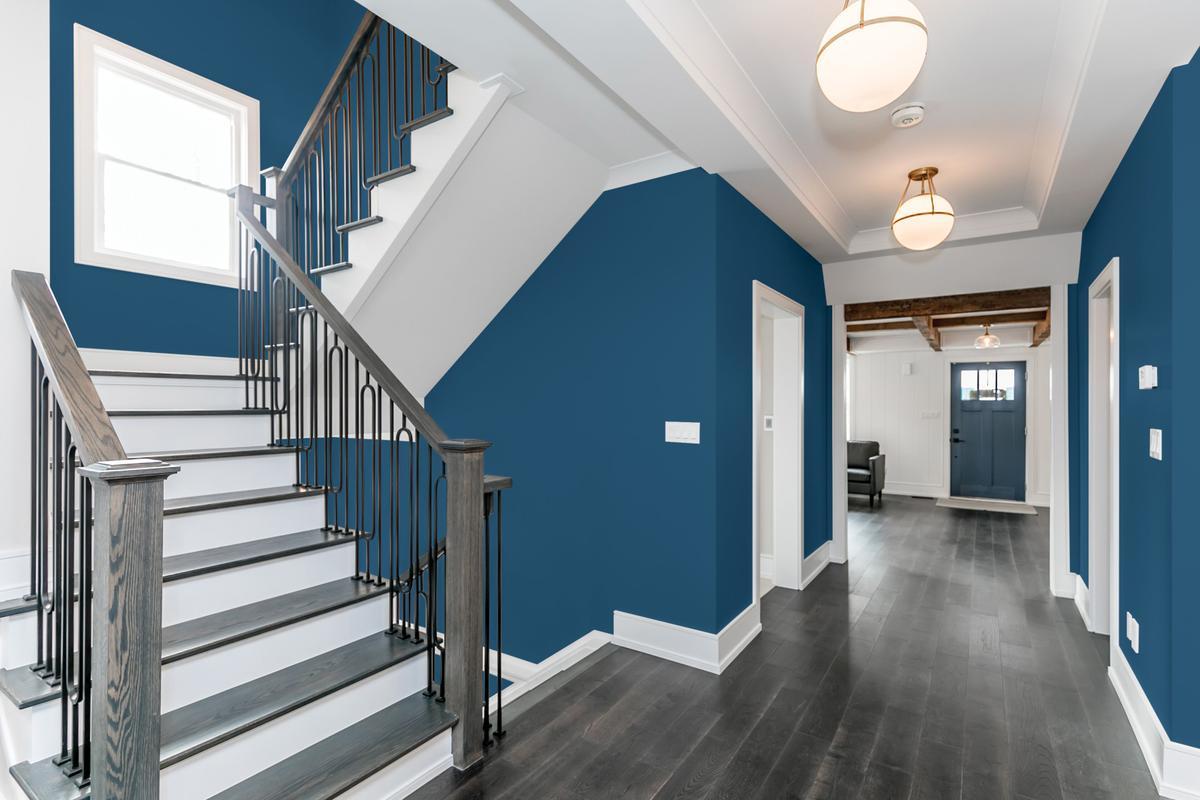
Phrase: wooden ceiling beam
x=933 y=336
x=990 y=319
x=898 y=325
x=950 y=304
x=1041 y=331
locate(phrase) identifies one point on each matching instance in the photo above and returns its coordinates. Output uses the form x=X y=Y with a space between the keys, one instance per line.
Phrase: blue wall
x=1147 y=218
x=641 y=314
x=281 y=52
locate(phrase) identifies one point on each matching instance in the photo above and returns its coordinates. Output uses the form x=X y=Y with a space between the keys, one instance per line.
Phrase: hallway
x=934 y=665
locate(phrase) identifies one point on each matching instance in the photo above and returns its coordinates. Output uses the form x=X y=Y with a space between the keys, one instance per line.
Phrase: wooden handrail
x=88 y=421
x=361 y=35
x=392 y=387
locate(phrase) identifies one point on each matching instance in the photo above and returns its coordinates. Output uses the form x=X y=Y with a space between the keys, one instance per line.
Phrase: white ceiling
x=1031 y=103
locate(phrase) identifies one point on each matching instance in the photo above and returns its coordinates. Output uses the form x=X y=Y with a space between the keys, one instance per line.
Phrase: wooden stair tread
x=190 y=376
x=241 y=497
x=202 y=562
x=220 y=717
x=328 y=268
x=333 y=765
x=18 y=605
x=202 y=453
x=225 y=627
x=190 y=412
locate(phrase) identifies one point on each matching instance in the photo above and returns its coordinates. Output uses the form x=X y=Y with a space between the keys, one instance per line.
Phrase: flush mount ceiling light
x=871 y=54
x=988 y=341
x=924 y=220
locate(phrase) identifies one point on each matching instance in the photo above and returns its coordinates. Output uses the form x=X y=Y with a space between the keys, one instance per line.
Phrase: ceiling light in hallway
x=871 y=54
x=924 y=220
x=988 y=340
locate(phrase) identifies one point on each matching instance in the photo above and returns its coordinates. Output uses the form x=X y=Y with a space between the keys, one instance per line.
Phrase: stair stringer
x=493 y=193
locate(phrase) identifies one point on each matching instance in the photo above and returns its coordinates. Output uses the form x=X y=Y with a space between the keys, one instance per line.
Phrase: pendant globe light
x=871 y=54
x=924 y=220
x=988 y=341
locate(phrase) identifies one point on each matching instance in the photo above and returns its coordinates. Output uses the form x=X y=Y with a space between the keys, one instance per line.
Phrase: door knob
x=956 y=440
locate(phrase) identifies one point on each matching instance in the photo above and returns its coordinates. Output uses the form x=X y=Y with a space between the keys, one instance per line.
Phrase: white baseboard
x=934 y=490
x=766 y=566
x=135 y=361
x=526 y=675
x=14 y=573
x=1175 y=767
x=814 y=564
x=1039 y=499
x=711 y=652
x=1083 y=601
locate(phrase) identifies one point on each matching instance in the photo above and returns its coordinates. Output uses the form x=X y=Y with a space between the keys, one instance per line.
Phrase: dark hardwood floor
x=935 y=664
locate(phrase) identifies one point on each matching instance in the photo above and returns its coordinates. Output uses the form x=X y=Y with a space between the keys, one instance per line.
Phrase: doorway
x=778 y=440
x=987 y=430
x=1096 y=598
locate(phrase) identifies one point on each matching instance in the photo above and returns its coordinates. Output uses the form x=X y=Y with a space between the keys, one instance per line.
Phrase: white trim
x=788 y=558
x=135 y=361
x=766 y=567
x=1105 y=591
x=815 y=564
x=1083 y=602
x=647 y=169
x=1174 y=767
x=840 y=550
x=412 y=770
x=527 y=675
x=1061 y=582
x=711 y=652
x=91 y=47
x=14 y=573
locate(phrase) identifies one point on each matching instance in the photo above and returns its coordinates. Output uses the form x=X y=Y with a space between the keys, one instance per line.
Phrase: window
x=987 y=384
x=156 y=150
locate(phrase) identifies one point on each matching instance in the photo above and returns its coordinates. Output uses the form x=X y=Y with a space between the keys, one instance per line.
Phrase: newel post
x=127 y=626
x=464 y=596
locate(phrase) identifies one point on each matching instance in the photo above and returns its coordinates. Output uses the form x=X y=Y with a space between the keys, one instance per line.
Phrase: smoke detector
x=908 y=115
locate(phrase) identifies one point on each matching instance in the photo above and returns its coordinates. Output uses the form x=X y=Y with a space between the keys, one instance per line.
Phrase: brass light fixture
x=871 y=53
x=988 y=341
x=924 y=220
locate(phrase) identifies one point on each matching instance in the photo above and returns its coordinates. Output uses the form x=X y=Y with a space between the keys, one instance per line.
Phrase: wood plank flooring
x=935 y=664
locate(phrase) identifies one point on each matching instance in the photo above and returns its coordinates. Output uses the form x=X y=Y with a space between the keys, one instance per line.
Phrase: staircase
x=276 y=581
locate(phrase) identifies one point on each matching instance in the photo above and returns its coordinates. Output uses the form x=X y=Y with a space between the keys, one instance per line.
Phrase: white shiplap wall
x=908 y=416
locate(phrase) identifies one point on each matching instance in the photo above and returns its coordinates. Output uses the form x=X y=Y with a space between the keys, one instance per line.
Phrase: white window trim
x=90 y=47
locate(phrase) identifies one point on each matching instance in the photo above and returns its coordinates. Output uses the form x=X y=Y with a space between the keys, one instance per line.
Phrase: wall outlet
x=1133 y=632
x=1148 y=377
x=768 y=423
x=683 y=432
x=1156 y=444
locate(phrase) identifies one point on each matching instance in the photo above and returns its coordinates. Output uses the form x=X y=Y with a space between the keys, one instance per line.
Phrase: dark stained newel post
x=127 y=614
x=463 y=664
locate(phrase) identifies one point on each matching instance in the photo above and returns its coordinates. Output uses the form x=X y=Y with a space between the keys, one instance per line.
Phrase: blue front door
x=987 y=430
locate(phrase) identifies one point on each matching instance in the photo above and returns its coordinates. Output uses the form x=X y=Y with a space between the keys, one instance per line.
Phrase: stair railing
x=95 y=565
x=412 y=498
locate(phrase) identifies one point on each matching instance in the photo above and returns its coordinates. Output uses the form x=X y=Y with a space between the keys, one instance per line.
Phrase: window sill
x=158 y=269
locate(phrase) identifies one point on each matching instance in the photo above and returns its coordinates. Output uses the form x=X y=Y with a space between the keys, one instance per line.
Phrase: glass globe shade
x=870 y=55
x=987 y=341
x=921 y=225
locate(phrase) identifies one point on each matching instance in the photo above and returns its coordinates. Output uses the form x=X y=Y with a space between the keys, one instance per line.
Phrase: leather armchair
x=866 y=469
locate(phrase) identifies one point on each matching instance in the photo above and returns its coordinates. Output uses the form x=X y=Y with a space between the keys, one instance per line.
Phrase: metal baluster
x=487 y=615
x=499 y=731
x=86 y=566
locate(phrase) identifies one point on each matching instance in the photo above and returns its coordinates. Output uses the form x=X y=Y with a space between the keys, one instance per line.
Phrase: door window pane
x=987 y=384
x=967 y=386
x=1006 y=384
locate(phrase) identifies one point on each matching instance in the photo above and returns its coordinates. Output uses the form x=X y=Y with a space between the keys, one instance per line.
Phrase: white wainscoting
x=907 y=415
x=711 y=652
x=14 y=573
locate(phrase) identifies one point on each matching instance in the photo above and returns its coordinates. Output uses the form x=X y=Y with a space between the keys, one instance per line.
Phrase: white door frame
x=789 y=546
x=1062 y=583
x=1099 y=599
x=998 y=356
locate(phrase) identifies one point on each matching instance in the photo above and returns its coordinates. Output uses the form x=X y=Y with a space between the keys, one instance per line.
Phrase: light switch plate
x=1133 y=632
x=1156 y=444
x=683 y=432
x=1148 y=377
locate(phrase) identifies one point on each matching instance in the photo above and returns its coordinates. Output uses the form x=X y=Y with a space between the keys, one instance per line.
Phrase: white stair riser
x=18 y=641
x=156 y=434
x=202 y=530
x=405 y=775
x=216 y=475
x=167 y=393
x=202 y=595
x=220 y=767
x=208 y=673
